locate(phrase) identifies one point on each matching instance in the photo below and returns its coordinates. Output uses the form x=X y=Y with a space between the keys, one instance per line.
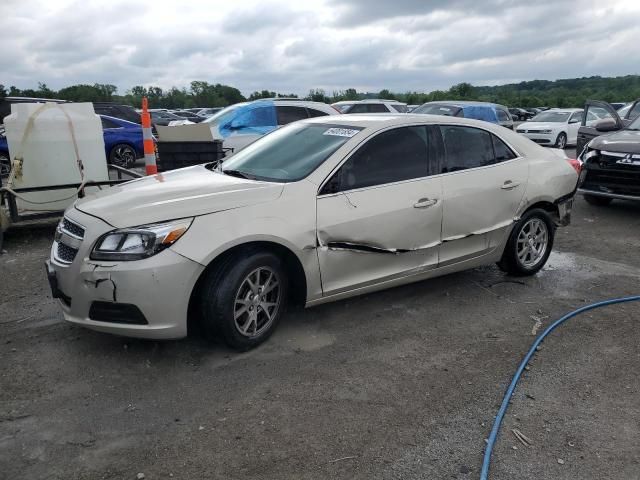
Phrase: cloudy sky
x=292 y=46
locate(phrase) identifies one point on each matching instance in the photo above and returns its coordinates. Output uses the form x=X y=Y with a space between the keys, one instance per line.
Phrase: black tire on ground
x=510 y=261
x=561 y=141
x=225 y=284
x=122 y=155
x=597 y=200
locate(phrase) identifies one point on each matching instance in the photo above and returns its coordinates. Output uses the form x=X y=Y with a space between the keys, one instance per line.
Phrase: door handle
x=425 y=203
x=509 y=185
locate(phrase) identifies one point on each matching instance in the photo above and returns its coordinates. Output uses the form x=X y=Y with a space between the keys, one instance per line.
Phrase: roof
x=563 y=110
x=378 y=100
x=374 y=120
x=460 y=103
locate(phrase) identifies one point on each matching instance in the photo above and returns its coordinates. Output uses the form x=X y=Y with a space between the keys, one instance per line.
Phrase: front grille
x=66 y=253
x=72 y=228
x=541 y=140
x=604 y=175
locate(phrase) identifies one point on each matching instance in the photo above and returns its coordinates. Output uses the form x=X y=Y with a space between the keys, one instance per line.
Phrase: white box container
x=49 y=154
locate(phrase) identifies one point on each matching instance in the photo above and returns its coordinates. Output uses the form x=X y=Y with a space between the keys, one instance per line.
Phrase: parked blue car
x=122 y=144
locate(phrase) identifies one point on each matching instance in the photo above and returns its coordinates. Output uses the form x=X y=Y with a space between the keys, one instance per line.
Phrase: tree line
x=563 y=93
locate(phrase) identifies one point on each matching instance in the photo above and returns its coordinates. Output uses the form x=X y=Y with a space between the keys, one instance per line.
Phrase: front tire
x=597 y=200
x=244 y=298
x=561 y=141
x=122 y=155
x=529 y=244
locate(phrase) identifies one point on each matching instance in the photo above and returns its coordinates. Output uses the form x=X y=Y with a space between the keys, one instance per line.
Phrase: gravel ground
x=399 y=384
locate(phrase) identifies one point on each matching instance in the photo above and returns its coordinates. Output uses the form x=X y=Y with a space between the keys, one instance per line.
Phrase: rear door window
x=377 y=108
x=466 y=147
x=106 y=123
x=358 y=108
x=398 y=107
x=501 y=151
x=288 y=114
x=316 y=113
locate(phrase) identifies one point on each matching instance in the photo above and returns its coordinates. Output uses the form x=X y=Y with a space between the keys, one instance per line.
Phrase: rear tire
x=597 y=200
x=243 y=299
x=123 y=155
x=529 y=244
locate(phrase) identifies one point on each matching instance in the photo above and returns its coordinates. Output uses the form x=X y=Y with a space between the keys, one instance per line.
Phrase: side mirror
x=574 y=120
x=606 y=125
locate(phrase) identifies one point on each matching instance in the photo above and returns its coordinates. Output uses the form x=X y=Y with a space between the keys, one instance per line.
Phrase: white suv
x=243 y=123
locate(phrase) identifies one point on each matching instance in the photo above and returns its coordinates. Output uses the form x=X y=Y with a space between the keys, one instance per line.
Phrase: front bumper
x=617 y=196
x=540 y=138
x=145 y=298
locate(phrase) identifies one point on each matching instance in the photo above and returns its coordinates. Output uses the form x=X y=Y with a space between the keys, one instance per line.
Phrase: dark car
x=122 y=143
x=608 y=120
x=611 y=161
x=520 y=114
x=163 y=117
x=125 y=112
x=187 y=115
x=489 y=112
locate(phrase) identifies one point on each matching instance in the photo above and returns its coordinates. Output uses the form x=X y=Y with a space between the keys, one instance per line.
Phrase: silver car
x=319 y=210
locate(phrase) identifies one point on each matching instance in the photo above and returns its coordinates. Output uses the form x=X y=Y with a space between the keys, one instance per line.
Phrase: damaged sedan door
x=483 y=181
x=379 y=214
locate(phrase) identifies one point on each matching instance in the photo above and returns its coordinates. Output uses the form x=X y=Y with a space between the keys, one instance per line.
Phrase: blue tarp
x=257 y=117
x=480 y=112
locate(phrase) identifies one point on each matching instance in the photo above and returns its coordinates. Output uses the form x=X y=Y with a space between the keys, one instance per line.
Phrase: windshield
x=439 y=109
x=223 y=115
x=553 y=117
x=290 y=153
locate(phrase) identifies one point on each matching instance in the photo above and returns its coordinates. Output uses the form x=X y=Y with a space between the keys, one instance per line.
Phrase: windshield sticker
x=341 y=132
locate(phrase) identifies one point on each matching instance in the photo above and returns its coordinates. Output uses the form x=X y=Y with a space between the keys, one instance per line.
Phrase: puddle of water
x=585 y=267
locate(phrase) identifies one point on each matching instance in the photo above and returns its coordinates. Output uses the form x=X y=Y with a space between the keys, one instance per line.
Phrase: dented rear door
x=379 y=215
x=483 y=183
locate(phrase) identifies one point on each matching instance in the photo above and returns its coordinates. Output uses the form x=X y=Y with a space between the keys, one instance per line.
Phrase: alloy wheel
x=257 y=302
x=532 y=243
x=123 y=156
x=562 y=141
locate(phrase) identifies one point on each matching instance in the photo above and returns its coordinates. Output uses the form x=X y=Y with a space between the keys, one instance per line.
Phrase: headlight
x=546 y=131
x=139 y=242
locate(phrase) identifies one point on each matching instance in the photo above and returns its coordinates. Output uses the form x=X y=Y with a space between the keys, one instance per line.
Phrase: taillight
x=576 y=164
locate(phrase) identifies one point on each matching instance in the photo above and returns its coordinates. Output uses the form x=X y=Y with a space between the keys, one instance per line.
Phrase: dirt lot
x=400 y=384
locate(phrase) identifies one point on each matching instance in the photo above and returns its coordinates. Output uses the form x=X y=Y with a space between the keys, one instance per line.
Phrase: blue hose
x=484 y=475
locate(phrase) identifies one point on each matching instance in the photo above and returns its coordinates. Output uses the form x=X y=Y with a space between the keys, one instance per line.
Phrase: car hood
x=181 y=193
x=539 y=126
x=625 y=141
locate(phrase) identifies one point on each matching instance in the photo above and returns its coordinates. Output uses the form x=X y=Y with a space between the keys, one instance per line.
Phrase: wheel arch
x=293 y=267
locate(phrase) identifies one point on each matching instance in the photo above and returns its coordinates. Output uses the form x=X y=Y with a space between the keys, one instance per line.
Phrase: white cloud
x=292 y=46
